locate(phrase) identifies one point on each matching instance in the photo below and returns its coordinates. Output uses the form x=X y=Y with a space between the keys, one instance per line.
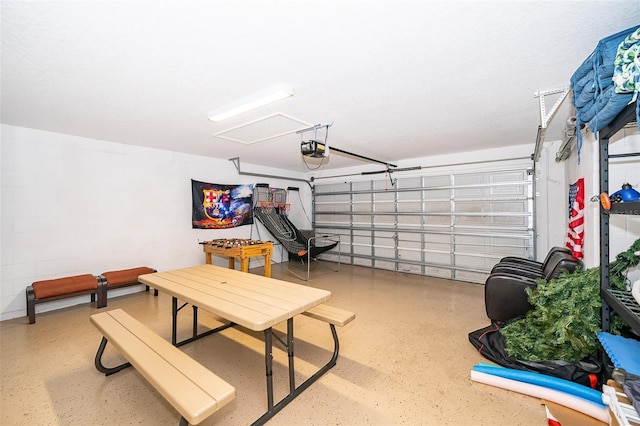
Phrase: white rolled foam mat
x=562 y=398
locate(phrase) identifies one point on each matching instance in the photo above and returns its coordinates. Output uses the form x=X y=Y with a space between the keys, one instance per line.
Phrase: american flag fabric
x=575 y=234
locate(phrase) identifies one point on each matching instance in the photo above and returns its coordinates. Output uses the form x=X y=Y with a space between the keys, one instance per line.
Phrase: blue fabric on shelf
x=595 y=103
x=578 y=78
x=609 y=109
x=586 y=113
x=623 y=352
x=607 y=50
x=587 y=92
x=595 y=106
x=600 y=111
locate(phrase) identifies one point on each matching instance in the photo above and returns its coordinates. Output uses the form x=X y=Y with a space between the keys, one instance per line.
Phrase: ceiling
x=395 y=79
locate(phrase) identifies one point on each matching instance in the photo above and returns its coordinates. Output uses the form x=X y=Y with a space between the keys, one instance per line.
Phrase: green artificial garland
x=565 y=317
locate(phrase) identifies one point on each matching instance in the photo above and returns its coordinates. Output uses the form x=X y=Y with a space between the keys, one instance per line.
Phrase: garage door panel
x=453 y=225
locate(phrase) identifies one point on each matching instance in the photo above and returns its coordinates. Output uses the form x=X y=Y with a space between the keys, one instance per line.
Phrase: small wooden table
x=241 y=249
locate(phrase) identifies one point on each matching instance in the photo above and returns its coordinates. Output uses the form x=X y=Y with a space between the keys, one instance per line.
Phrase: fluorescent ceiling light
x=247 y=104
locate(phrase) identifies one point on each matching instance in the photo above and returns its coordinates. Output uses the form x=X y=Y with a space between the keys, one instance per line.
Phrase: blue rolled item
x=586 y=95
x=605 y=115
x=587 y=112
x=550 y=382
x=587 y=67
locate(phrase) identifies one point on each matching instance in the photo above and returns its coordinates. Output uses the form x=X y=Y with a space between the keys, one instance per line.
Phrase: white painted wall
x=551 y=200
x=72 y=205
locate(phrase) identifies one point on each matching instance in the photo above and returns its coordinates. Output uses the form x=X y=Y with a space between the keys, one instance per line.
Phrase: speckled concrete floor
x=404 y=360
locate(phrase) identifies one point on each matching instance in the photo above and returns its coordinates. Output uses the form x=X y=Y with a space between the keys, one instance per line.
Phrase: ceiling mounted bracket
x=318 y=149
x=315 y=129
x=236 y=162
x=545 y=118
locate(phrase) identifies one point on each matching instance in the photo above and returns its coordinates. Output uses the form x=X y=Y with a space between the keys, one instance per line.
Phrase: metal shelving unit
x=630 y=207
x=620 y=302
x=615 y=301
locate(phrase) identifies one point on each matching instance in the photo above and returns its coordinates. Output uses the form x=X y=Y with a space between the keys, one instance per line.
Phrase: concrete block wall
x=73 y=205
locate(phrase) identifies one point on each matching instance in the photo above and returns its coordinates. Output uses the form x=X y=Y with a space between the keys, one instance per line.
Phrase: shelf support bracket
x=546 y=117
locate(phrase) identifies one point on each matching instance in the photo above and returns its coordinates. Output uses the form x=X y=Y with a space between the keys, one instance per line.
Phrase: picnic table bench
x=193 y=390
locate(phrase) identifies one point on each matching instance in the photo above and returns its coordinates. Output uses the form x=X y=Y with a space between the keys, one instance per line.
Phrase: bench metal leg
x=101 y=293
x=98 y=361
x=31 y=305
x=183 y=422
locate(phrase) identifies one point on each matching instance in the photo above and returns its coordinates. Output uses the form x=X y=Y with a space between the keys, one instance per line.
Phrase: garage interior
x=431 y=139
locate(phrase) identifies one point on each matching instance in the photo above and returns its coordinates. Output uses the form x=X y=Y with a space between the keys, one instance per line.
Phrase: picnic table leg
x=294 y=392
x=292 y=378
x=174 y=314
x=195 y=322
x=268 y=359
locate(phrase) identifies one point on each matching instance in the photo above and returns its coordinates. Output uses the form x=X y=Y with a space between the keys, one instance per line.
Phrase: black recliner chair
x=504 y=290
x=531 y=264
x=546 y=272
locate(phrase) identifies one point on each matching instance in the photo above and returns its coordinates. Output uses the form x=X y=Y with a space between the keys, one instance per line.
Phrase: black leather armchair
x=504 y=290
x=531 y=264
x=551 y=268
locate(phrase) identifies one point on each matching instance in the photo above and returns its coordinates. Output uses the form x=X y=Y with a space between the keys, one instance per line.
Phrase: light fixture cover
x=248 y=103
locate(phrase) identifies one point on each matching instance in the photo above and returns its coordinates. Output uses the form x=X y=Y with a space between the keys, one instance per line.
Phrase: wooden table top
x=252 y=301
x=240 y=251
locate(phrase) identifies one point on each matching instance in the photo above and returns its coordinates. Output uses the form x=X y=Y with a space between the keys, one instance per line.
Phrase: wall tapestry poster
x=221 y=206
x=575 y=235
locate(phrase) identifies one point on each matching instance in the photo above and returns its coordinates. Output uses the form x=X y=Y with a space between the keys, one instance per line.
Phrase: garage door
x=454 y=225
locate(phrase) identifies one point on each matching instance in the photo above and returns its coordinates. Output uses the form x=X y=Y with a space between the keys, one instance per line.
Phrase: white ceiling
x=398 y=79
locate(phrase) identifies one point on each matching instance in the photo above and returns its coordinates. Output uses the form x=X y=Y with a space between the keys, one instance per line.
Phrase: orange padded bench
x=125 y=278
x=60 y=288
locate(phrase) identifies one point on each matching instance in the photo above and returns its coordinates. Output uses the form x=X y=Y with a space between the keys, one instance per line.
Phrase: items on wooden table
x=238 y=248
x=233 y=242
